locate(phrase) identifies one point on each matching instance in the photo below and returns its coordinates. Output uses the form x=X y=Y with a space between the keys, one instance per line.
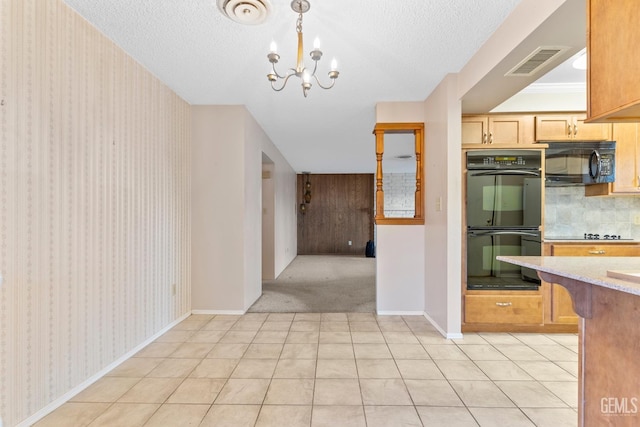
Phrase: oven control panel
x=504 y=159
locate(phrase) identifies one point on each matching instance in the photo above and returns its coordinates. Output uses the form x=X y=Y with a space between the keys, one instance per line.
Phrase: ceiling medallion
x=248 y=12
x=300 y=71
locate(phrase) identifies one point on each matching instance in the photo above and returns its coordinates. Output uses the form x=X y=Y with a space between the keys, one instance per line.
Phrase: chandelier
x=300 y=7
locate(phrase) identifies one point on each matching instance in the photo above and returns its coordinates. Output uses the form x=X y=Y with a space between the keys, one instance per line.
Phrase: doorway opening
x=331 y=272
x=268 y=219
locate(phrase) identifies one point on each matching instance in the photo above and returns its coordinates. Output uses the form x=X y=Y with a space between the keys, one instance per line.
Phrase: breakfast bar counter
x=606 y=296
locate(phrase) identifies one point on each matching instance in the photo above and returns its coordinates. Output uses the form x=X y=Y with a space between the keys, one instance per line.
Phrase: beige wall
x=399 y=112
x=253 y=138
x=525 y=18
x=227 y=209
x=94 y=205
x=400 y=279
x=218 y=208
x=443 y=232
x=285 y=245
x=400 y=256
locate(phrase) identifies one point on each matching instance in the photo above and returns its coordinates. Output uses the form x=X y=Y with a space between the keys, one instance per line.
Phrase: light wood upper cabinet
x=475 y=129
x=570 y=128
x=627 y=137
x=590 y=131
x=497 y=129
x=613 y=92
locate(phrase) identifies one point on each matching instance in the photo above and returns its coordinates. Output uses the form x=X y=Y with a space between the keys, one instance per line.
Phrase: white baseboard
x=233 y=312
x=399 y=313
x=449 y=336
x=80 y=387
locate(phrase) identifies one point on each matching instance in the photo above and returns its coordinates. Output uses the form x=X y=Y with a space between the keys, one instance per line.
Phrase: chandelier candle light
x=300 y=6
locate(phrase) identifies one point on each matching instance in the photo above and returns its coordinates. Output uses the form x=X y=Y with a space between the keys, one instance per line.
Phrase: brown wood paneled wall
x=341 y=210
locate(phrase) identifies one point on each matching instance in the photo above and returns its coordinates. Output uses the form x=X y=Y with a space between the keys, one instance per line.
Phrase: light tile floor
x=332 y=369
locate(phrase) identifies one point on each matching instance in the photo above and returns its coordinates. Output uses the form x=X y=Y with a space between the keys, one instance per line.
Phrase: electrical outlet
x=173 y=289
x=636 y=219
x=350 y=242
x=438 y=204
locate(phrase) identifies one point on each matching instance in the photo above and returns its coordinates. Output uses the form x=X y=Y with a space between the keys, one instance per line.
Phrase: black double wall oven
x=503 y=217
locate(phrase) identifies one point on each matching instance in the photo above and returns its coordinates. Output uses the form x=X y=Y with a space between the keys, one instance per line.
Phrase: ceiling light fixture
x=300 y=7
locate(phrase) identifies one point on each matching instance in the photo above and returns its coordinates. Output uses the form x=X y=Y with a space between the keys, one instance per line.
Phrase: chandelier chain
x=299 y=23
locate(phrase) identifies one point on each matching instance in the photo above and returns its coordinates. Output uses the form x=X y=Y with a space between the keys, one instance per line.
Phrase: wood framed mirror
x=405 y=143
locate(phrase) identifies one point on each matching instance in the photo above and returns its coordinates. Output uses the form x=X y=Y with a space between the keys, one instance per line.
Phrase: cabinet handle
x=503 y=304
x=569 y=131
x=598 y=252
x=490 y=137
x=484 y=138
x=575 y=130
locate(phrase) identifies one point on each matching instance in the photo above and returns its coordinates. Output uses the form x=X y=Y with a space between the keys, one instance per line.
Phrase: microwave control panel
x=606 y=165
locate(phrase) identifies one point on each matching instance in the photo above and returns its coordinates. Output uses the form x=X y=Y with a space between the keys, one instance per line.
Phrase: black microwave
x=580 y=163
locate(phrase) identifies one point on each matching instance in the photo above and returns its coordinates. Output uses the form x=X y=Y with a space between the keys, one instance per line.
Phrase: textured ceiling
x=387 y=50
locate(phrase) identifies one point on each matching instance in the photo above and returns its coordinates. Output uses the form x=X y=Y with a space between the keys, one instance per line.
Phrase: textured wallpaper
x=94 y=204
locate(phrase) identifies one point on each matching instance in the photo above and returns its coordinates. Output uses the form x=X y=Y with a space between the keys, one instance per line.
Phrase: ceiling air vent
x=248 y=12
x=535 y=61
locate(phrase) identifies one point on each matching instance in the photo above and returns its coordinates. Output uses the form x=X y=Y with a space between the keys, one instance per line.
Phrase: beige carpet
x=321 y=283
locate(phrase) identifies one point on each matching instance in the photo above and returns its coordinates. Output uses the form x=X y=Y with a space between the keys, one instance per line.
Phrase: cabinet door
x=627 y=158
x=510 y=130
x=562 y=306
x=475 y=129
x=612 y=78
x=554 y=128
x=591 y=131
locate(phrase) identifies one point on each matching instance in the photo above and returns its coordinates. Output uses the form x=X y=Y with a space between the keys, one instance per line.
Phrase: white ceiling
x=387 y=50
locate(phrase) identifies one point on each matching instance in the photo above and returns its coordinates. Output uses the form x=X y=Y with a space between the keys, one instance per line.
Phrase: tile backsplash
x=569 y=213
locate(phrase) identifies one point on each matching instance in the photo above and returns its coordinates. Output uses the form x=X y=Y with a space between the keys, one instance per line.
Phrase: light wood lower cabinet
x=559 y=306
x=598 y=249
x=548 y=310
x=509 y=309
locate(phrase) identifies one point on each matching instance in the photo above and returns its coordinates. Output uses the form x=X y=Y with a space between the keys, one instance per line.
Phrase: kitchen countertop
x=585 y=269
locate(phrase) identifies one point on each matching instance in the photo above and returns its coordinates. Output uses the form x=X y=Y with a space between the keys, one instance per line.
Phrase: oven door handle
x=505 y=172
x=479 y=233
